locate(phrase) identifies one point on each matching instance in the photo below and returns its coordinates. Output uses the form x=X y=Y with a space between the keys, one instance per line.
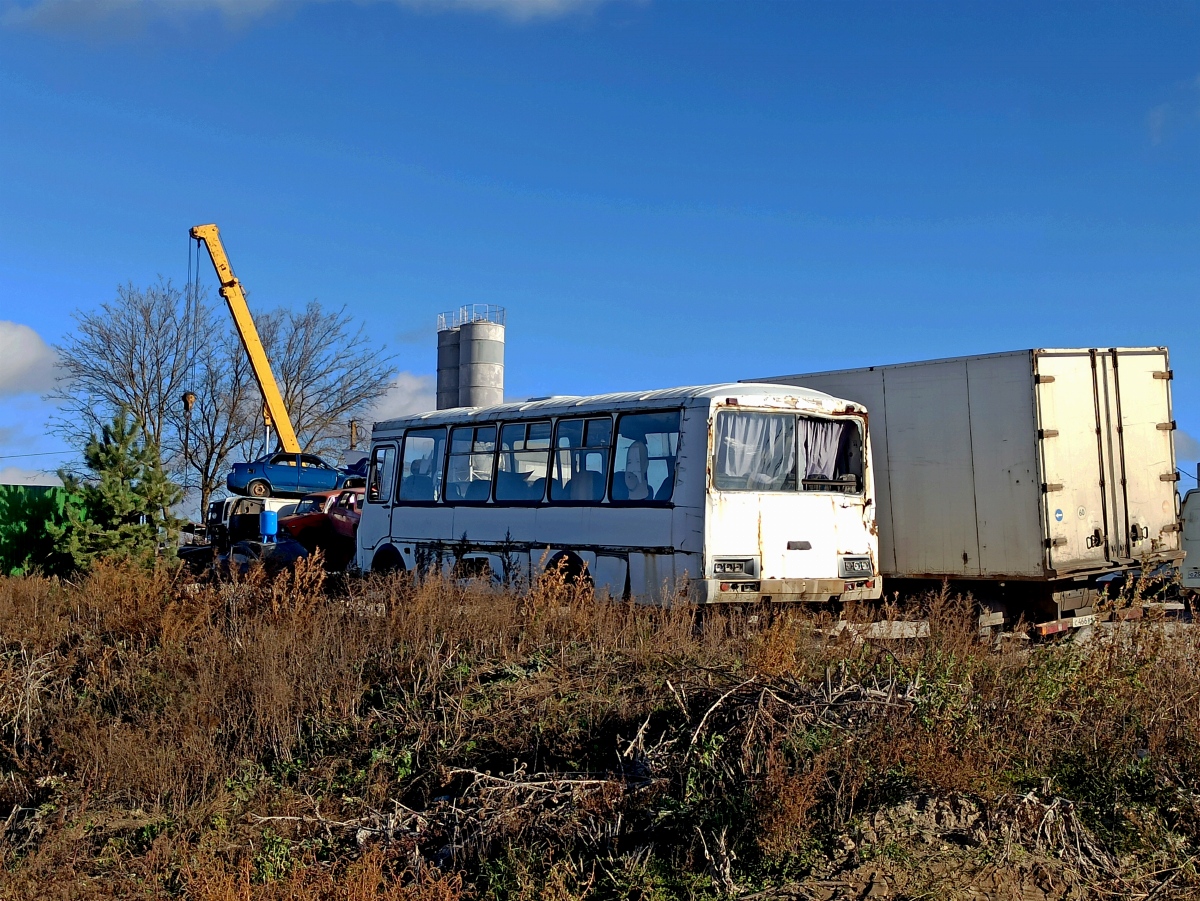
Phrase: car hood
x=355 y=469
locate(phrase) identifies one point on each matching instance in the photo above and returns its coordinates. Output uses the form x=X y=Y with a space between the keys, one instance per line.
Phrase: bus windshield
x=756 y=452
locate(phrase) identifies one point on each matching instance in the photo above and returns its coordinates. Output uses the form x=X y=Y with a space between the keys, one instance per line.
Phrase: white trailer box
x=1037 y=465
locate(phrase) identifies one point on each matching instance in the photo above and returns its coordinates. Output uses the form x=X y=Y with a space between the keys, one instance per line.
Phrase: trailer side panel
x=929 y=459
x=1005 y=465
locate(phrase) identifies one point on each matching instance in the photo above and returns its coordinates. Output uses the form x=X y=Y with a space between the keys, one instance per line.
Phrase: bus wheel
x=572 y=568
x=387 y=560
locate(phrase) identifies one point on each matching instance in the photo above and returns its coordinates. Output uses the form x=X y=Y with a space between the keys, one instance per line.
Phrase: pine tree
x=125 y=503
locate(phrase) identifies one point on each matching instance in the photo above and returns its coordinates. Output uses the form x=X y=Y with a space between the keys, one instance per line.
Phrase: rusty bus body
x=718 y=493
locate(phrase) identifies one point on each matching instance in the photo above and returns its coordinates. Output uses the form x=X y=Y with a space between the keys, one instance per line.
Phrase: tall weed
x=278 y=737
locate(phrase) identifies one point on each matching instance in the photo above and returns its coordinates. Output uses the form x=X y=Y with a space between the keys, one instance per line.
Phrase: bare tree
x=126 y=354
x=145 y=349
x=326 y=369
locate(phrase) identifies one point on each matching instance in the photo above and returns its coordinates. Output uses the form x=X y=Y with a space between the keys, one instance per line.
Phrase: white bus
x=735 y=492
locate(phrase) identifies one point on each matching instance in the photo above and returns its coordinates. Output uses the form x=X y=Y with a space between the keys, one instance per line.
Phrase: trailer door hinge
x=1166 y=426
x=1169 y=477
x=1047 y=379
x=1165 y=376
x=1055 y=542
x=1172 y=527
x=1047 y=487
x=1047 y=433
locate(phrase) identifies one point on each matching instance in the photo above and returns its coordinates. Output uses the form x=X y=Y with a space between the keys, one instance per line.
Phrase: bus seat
x=508 y=486
x=664 y=490
x=586 y=486
x=417 y=488
x=632 y=484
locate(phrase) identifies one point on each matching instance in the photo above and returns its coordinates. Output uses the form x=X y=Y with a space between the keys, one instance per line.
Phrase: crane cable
x=194 y=336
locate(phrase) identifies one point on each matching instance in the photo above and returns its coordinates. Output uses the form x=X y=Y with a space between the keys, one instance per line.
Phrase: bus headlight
x=743 y=566
x=855 y=567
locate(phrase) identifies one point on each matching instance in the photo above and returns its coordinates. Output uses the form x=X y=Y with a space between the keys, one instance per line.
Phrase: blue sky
x=659 y=192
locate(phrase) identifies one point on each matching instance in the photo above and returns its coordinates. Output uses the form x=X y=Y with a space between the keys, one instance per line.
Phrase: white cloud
x=1186 y=447
x=14 y=475
x=409 y=393
x=514 y=9
x=55 y=15
x=26 y=361
x=1156 y=122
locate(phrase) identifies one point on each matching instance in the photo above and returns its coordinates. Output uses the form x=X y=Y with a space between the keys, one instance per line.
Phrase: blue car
x=283 y=474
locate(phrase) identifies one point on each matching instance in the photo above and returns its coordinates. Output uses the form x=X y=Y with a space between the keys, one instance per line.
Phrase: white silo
x=471 y=357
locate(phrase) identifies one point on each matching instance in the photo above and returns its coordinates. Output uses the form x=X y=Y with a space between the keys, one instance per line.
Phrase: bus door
x=376 y=524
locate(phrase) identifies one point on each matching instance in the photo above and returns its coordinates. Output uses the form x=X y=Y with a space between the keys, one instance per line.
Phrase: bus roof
x=771 y=395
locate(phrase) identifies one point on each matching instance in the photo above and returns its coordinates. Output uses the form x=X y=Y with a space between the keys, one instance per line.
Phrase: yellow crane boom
x=231 y=290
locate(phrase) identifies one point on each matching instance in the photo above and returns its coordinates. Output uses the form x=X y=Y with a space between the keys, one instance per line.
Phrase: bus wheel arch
x=573 y=568
x=388 y=560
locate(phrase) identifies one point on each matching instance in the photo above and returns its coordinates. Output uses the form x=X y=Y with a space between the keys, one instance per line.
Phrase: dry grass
x=273 y=739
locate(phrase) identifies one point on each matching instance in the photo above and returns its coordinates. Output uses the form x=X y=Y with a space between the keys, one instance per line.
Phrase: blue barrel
x=268 y=525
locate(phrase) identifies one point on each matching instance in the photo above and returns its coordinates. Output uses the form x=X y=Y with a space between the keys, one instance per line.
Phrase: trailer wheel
x=258 y=488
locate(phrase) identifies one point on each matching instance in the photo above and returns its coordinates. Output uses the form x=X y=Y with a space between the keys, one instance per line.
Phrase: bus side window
x=524 y=461
x=580 y=462
x=469 y=475
x=383 y=468
x=644 y=465
x=421 y=470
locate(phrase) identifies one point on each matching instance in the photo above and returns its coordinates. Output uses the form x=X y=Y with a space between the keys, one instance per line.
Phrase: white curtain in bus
x=819 y=443
x=756 y=451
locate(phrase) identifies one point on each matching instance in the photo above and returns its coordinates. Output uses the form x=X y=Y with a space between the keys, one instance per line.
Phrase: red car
x=309 y=523
x=346 y=512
